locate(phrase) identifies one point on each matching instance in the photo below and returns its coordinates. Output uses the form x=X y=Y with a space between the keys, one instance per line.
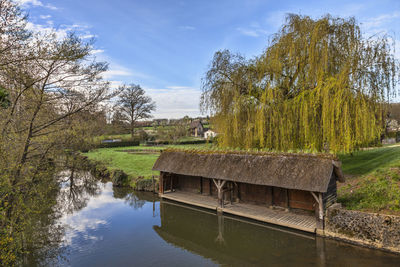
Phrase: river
x=106 y=226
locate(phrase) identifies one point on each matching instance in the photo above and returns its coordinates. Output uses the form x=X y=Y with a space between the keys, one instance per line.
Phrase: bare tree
x=134 y=105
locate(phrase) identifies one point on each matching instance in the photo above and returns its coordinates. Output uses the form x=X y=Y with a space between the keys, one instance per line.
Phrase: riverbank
x=372 y=180
x=131 y=166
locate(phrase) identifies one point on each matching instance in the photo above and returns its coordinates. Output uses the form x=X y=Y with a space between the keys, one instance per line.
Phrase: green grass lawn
x=364 y=162
x=133 y=164
x=372 y=180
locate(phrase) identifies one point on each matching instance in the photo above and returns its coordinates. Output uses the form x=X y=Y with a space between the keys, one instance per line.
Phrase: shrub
x=119 y=178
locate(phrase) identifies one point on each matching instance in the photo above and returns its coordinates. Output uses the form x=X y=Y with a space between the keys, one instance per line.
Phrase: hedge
x=119 y=144
x=189 y=142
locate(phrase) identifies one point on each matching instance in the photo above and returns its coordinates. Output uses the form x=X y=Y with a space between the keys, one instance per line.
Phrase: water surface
x=107 y=226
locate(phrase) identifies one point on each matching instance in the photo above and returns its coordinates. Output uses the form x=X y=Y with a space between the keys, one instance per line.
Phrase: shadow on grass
x=364 y=162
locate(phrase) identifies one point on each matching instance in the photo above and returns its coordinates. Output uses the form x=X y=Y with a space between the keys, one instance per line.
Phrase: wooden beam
x=320 y=204
x=161 y=183
x=321 y=207
x=315 y=196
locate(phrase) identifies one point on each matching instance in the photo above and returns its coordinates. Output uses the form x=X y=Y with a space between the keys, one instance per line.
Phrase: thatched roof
x=303 y=172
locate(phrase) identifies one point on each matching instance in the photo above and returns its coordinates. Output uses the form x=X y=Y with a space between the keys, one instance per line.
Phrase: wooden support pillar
x=320 y=210
x=171 y=177
x=201 y=185
x=161 y=183
x=210 y=187
x=231 y=186
x=287 y=200
x=269 y=196
x=220 y=184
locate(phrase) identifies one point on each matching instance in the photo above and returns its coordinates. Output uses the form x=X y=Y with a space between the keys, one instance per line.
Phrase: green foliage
x=4 y=101
x=319 y=86
x=119 y=178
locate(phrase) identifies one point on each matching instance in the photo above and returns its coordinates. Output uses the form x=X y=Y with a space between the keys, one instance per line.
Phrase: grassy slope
x=373 y=180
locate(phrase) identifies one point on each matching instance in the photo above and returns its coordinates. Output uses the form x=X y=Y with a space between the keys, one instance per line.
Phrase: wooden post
x=269 y=196
x=201 y=185
x=161 y=183
x=219 y=184
x=320 y=219
x=154 y=186
x=231 y=189
x=287 y=200
x=171 y=177
x=210 y=187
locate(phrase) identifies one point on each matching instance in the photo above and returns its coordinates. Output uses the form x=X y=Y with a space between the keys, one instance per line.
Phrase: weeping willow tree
x=318 y=86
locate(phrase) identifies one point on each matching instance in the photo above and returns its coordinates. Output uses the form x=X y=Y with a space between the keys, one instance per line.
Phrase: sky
x=166 y=46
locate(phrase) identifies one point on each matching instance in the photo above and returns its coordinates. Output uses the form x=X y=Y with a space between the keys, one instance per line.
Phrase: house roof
x=195 y=124
x=292 y=171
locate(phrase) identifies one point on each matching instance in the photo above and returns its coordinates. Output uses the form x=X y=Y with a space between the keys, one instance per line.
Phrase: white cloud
x=115 y=84
x=45 y=16
x=61 y=31
x=379 y=21
x=80 y=223
x=189 y=28
x=254 y=30
x=31 y=2
x=117 y=72
x=97 y=51
x=47 y=29
x=36 y=3
x=87 y=36
x=175 y=101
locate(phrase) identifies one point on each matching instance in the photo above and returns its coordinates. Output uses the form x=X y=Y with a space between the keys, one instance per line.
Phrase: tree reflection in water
x=135 y=199
x=62 y=193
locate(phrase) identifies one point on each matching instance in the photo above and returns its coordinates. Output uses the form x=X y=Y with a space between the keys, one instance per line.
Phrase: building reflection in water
x=235 y=241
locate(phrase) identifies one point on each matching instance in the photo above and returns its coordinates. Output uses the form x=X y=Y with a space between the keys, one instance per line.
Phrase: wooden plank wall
x=188 y=183
x=257 y=194
x=299 y=199
x=329 y=198
x=250 y=193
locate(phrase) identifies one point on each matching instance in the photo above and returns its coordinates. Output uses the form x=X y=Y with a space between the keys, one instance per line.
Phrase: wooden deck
x=289 y=219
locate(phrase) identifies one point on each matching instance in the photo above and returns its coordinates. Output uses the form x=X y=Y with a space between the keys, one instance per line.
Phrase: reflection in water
x=231 y=241
x=106 y=226
x=77 y=187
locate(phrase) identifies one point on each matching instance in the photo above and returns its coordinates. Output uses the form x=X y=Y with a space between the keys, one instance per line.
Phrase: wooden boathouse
x=291 y=190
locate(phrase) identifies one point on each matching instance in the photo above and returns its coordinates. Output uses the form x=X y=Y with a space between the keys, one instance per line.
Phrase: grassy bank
x=134 y=160
x=372 y=180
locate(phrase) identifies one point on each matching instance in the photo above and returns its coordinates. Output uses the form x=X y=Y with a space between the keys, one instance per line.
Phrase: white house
x=210 y=134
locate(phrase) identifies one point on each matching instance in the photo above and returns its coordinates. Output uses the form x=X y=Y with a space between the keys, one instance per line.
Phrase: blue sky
x=166 y=46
